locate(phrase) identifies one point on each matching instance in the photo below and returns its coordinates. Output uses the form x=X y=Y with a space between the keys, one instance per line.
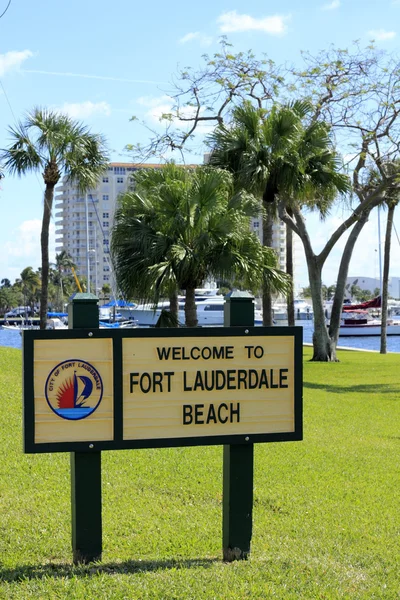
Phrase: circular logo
x=74 y=389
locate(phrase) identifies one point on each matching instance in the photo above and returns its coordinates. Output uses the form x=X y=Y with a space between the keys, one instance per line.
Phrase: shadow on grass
x=347 y=389
x=57 y=570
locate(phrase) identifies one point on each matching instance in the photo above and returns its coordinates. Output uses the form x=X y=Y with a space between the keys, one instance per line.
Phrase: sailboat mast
x=87 y=244
x=75 y=388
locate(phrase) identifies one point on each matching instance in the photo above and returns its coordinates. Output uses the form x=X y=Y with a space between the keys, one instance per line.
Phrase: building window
x=106 y=269
x=105 y=179
x=106 y=278
x=106 y=224
x=120 y=180
x=256 y=224
x=105 y=196
x=119 y=170
x=106 y=215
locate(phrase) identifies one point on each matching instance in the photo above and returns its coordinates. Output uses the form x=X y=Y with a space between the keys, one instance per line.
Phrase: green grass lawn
x=326 y=510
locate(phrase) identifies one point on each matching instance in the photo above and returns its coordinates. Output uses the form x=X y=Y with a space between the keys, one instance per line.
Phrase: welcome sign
x=102 y=389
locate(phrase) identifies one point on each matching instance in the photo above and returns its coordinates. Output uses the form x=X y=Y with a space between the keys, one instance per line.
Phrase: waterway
x=13 y=339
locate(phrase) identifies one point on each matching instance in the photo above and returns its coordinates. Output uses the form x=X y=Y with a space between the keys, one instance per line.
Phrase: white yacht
x=302 y=310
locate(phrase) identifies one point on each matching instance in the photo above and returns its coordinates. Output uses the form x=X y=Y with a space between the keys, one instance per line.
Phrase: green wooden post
x=83 y=313
x=238 y=461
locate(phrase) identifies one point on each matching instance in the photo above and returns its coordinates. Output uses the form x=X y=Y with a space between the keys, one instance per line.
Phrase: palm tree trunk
x=266 y=291
x=44 y=243
x=190 y=308
x=289 y=271
x=385 y=278
x=173 y=304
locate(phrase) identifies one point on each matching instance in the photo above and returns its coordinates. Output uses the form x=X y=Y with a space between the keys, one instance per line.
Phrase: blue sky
x=103 y=63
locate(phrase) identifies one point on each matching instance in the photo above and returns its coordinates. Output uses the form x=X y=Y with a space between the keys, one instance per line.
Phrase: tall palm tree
x=391 y=202
x=189 y=225
x=385 y=276
x=55 y=145
x=276 y=155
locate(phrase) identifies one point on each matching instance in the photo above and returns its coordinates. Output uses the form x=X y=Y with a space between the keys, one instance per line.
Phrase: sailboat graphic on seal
x=74 y=389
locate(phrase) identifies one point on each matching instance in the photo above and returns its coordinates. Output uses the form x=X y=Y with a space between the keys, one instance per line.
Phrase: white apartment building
x=84 y=221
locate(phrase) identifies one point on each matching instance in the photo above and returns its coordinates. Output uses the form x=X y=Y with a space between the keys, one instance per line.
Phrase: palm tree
x=64 y=262
x=106 y=291
x=188 y=225
x=276 y=156
x=149 y=184
x=52 y=143
x=29 y=282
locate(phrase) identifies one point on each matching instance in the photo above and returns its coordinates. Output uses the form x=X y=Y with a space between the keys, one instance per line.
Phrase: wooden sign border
x=118 y=443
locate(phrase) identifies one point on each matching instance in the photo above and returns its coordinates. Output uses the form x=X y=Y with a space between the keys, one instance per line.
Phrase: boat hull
x=368 y=329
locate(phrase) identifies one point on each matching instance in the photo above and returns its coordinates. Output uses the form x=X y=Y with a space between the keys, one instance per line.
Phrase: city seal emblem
x=74 y=389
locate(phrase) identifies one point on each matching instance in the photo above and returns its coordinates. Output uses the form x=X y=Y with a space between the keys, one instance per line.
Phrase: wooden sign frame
x=173 y=337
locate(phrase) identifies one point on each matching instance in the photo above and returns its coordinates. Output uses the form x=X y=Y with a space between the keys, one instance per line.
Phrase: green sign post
x=238 y=461
x=88 y=389
x=86 y=517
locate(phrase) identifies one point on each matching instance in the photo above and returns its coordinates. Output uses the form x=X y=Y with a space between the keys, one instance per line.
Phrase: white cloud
x=381 y=35
x=156 y=106
x=11 y=61
x=332 y=5
x=83 y=110
x=24 y=250
x=204 y=40
x=231 y=22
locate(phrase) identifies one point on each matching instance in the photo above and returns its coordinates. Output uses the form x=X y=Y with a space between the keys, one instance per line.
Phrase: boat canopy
x=119 y=303
x=374 y=303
